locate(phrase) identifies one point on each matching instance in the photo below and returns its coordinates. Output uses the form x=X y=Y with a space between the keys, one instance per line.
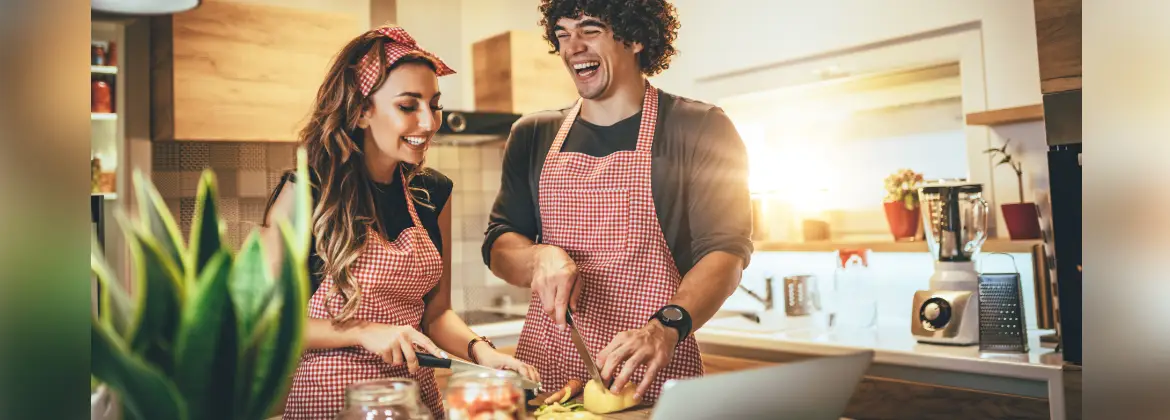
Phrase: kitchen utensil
x=954 y=217
x=458 y=366
x=1002 y=325
x=582 y=349
x=801 y=296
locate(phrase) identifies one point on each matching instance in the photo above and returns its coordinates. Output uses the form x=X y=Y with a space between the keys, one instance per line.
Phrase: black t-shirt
x=699 y=176
x=393 y=214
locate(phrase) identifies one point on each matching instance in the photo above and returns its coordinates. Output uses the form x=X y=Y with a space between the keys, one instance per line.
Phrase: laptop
x=813 y=389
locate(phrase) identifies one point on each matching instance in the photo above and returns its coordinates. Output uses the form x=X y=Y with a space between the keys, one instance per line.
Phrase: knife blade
x=459 y=366
x=582 y=349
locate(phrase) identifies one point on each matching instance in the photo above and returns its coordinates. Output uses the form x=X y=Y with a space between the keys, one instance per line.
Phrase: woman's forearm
x=322 y=334
x=450 y=333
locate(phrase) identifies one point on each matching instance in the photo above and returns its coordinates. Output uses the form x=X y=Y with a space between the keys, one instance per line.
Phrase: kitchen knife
x=582 y=349
x=459 y=366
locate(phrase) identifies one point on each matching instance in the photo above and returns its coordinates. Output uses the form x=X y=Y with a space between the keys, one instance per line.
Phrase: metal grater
x=1001 y=313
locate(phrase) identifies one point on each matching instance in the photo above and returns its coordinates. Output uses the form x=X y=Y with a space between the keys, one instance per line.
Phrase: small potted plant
x=1022 y=218
x=901 y=204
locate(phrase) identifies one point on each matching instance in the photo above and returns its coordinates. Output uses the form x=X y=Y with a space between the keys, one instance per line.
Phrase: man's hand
x=651 y=346
x=554 y=278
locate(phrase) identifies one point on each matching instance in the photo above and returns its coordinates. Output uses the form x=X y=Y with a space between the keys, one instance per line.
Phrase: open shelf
x=1007 y=115
x=992 y=245
x=103 y=116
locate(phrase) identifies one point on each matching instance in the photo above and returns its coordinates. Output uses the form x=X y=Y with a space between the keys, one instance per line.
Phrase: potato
x=599 y=400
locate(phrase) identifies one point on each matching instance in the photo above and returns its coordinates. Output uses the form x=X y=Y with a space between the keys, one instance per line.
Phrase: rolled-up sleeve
x=514 y=209
x=718 y=200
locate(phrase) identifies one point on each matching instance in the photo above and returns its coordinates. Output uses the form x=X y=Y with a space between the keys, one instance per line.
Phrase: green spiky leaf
x=276 y=366
x=206 y=349
x=206 y=228
x=251 y=285
x=118 y=310
x=161 y=300
x=143 y=389
x=156 y=218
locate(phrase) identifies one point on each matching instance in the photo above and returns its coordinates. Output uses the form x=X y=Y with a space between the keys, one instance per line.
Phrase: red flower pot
x=903 y=222
x=1023 y=220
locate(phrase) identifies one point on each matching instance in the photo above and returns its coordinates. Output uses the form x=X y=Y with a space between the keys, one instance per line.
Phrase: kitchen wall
x=246 y=175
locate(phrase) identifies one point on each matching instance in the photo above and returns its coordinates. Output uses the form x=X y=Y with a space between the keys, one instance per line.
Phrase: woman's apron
x=394 y=277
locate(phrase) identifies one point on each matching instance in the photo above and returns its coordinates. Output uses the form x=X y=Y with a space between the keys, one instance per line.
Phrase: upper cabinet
x=1058 y=39
x=241 y=72
x=515 y=73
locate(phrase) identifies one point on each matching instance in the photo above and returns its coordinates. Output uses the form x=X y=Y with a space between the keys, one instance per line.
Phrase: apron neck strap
x=649 y=121
x=409 y=197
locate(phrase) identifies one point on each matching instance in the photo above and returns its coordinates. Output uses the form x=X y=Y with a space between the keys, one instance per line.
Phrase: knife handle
x=568 y=317
x=432 y=361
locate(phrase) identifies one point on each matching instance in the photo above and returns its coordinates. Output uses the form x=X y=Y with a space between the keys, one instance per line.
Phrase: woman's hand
x=396 y=344
x=492 y=358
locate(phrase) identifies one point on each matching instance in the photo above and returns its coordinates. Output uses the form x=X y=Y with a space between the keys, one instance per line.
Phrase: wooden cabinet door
x=1058 y=42
x=241 y=72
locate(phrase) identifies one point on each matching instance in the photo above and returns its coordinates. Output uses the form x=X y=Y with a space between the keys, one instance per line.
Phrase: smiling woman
x=380 y=284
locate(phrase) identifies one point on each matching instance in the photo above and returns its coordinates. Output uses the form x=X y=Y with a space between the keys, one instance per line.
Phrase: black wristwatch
x=676 y=317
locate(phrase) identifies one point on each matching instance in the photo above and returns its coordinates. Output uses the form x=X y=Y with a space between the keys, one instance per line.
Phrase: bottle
x=384 y=399
x=485 y=394
x=856 y=306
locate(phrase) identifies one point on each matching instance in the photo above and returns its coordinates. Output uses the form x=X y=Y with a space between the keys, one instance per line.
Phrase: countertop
x=891 y=345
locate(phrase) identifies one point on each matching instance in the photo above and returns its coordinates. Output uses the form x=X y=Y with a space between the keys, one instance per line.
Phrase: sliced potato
x=599 y=400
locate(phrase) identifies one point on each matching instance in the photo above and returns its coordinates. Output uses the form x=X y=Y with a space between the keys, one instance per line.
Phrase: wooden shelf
x=103 y=116
x=1007 y=115
x=103 y=69
x=992 y=245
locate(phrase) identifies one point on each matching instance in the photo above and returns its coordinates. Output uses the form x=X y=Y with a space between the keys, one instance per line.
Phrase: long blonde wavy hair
x=345 y=211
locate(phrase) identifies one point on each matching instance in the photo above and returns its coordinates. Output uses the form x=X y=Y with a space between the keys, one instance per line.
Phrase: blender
x=954 y=217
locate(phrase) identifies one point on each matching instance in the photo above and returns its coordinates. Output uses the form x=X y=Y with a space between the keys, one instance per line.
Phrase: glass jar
x=854 y=289
x=485 y=394
x=384 y=399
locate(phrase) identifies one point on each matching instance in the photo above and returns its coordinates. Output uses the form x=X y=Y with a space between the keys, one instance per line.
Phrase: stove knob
x=935 y=313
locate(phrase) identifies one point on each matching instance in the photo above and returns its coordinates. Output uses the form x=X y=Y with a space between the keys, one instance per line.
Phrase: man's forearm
x=512 y=258
x=707 y=285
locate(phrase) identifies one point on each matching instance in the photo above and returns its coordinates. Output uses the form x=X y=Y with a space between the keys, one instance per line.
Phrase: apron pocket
x=587 y=220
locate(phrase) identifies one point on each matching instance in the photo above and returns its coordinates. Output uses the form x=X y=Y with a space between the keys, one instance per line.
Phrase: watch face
x=672 y=314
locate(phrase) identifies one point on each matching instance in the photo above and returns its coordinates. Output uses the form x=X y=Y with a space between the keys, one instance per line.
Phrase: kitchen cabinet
x=1058 y=42
x=515 y=73
x=240 y=72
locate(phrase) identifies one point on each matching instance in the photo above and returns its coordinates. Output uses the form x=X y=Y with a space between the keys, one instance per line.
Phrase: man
x=630 y=209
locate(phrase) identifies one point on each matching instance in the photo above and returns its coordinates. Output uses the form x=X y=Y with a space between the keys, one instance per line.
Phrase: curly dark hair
x=653 y=23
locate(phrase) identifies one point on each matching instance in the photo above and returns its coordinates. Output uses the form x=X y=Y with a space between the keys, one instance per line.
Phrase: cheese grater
x=1001 y=313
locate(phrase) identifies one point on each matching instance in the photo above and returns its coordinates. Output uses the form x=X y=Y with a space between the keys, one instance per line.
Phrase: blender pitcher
x=954 y=217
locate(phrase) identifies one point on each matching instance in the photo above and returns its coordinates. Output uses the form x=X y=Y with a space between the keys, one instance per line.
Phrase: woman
x=382 y=290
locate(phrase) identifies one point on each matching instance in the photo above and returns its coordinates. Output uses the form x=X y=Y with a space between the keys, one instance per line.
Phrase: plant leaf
x=302 y=206
x=143 y=390
x=1005 y=159
x=283 y=349
x=156 y=218
x=206 y=348
x=161 y=299
x=250 y=285
x=206 y=230
x=118 y=311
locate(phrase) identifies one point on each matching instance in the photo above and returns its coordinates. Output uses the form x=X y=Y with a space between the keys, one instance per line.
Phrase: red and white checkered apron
x=600 y=210
x=394 y=277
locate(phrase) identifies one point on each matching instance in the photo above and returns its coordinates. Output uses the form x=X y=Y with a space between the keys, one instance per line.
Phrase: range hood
x=469 y=128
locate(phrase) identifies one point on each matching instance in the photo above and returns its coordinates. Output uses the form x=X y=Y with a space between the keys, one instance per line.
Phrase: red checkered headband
x=399 y=45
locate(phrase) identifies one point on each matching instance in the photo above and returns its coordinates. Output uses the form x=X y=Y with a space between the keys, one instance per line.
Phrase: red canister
x=101 y=100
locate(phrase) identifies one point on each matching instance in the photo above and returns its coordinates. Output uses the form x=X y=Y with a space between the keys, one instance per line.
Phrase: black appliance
x=464 y=128
x=1062 y=123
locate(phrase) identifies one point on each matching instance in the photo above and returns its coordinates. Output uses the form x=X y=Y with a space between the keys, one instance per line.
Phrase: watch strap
x=471 y=345
x=683 y=326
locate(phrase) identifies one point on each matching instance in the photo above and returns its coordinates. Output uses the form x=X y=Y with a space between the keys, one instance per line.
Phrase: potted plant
x=901 y=204
x=208 y=333
x=1022 y=218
